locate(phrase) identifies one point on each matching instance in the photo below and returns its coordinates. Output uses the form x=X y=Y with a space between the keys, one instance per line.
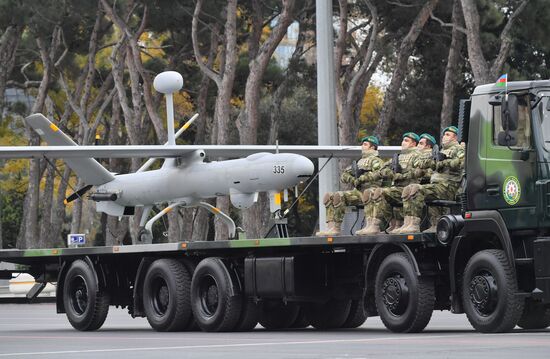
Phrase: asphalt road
x=28 y=331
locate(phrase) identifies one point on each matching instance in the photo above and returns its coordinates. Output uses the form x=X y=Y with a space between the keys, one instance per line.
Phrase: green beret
x=371 y=139
x=452 y=129
x=429 y=138
x=413 y=136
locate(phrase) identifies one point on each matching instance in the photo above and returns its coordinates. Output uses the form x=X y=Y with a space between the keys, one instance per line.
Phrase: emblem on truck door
x=511 y=190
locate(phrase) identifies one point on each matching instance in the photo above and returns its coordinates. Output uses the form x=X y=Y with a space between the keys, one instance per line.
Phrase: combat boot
x=334 y=230
x=405 y=224
x=412 y=227
x=433 y=227
x=395 y=224
x=372 y=228
x=330 y=224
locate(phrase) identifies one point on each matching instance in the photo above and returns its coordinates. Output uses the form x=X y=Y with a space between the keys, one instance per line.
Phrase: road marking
x=185 y=347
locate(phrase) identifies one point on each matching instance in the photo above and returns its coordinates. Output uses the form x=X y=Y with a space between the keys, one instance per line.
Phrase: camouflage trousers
x=415 y=197
x=386 y=203
x=336 y=202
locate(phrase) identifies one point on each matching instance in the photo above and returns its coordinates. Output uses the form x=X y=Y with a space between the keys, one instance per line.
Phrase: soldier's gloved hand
x=418 y=172
x=441 y=156
x=441 y=165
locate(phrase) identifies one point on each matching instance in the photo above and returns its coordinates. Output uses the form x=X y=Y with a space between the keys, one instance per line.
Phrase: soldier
x=443 y=184
x=382 y=200
x=361 y=177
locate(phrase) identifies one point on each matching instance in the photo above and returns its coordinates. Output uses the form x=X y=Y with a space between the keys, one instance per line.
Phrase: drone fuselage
x=193 y=180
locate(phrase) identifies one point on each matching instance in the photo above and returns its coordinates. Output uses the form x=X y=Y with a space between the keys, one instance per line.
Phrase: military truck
x=490 y=257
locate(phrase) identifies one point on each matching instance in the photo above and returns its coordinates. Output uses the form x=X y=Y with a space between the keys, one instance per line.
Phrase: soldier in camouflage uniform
x=443 y=184
x=336 y=202
x=383 y=199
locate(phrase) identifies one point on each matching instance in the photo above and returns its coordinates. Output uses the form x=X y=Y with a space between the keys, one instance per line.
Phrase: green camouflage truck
x=489 y=259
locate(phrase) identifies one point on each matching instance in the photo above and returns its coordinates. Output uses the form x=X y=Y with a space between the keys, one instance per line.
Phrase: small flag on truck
x=502 y=80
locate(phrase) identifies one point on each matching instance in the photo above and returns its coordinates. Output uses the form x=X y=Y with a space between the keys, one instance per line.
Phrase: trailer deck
x=51 y=255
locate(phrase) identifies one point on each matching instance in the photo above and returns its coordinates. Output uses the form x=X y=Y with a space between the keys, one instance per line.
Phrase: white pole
x=326 y=102
x=170 y=119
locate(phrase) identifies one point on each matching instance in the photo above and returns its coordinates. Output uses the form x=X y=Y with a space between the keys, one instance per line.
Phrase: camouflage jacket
x=421 y=167
x=370 y=168
x=407 y=160
x=450 y=169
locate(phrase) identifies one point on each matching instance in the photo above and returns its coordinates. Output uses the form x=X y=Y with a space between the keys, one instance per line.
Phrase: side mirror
x=507 y=138
x=510 y=113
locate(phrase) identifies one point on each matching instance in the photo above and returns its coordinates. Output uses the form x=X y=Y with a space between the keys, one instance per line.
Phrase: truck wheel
x=535 y=315
x=275 y=314
x=215 y=307
x=301 y=320
x=328 y=315
x=404 y=301
x=488 y=292
x=249 y=316
x=85 y=304
x=357 y=315
x=166 y=296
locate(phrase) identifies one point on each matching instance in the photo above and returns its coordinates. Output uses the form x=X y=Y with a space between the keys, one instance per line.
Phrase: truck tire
x=166 y=298
x=216 y=307
x=535 y=315
x=301 y=321
x=488 y=292
x=328 y=315
x=85 y=303
x=249 y=316
x=357 y=315
x=404 y=301
x=275 y=314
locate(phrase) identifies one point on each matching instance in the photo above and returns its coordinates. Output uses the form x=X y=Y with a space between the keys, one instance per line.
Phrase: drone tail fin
x=88 y=169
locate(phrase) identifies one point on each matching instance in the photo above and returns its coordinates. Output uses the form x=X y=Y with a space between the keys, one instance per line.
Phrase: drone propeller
x=78 y=194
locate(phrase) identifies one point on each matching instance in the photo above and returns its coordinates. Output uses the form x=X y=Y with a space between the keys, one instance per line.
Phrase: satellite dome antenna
x=168 y=83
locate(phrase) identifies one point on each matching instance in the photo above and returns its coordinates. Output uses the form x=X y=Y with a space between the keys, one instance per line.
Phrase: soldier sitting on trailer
x=444 y=182
x=385 y=201
x=361 y=175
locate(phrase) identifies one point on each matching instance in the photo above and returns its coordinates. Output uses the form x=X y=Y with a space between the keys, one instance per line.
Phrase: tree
x=485 y=70
x=406 y=48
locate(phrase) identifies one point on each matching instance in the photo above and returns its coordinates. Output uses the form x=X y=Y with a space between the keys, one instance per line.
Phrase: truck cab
x=502 y=234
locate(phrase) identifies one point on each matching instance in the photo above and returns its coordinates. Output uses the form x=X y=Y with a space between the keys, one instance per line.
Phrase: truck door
x=510 y=171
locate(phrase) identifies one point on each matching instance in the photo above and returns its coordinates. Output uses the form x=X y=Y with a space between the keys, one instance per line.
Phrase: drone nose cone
x=303 y=167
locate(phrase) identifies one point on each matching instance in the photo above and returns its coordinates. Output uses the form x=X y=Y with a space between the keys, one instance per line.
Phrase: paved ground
x=28 y=331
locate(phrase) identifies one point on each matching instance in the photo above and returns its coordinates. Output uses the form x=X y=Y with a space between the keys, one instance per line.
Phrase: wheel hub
x=209 y=297
x=161 y=296
x=395 y=294
x=483 y=293
x=79 y=297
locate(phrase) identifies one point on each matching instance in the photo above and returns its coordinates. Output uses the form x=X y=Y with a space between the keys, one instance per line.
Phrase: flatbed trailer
x=278 y=281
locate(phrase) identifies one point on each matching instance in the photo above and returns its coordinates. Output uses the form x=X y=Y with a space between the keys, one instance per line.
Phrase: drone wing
x=61 y=146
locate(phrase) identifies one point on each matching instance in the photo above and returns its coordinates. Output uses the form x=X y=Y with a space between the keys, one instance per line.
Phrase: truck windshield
x=544 y=115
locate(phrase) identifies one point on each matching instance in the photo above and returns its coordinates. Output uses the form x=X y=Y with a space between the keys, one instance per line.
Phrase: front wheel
x=489 y=292
x=85 y=303
x=404 y=300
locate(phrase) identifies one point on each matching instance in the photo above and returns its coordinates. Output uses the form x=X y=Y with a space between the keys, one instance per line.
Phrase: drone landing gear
x=145 y=235
x=224 y=217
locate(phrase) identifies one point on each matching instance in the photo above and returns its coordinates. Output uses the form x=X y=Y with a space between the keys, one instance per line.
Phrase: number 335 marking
x=278 y=169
